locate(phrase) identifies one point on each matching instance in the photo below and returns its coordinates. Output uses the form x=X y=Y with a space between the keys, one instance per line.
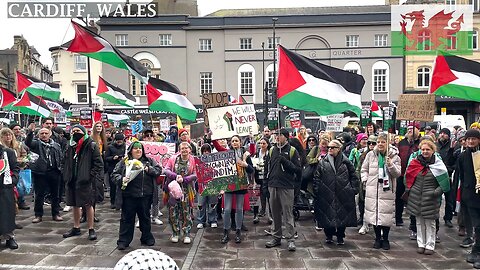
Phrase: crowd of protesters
x=360 y=177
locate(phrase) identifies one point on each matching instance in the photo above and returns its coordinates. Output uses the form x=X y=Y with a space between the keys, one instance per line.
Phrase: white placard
x=164 y=124
x=227 y=121
x=334 y=122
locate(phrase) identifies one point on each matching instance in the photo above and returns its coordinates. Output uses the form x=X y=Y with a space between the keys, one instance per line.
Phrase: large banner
x=158 y=151
x=232 y=120
x=219 y=172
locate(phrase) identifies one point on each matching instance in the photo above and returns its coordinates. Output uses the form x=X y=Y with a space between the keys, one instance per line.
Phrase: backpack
x=292 y=151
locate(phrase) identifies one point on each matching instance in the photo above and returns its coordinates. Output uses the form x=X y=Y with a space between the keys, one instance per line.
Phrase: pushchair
x=303 y=202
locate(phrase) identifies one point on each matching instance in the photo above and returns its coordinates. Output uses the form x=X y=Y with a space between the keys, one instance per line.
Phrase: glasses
x=332 y=147
x=184 y=134
x=311 y=140
x=371 y=143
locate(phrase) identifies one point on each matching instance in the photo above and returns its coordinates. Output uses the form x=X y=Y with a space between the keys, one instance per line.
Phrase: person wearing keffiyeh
x=469 y=174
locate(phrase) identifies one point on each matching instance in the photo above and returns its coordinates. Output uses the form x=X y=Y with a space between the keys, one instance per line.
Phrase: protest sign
x=389 y=118
x=159 y=151
x=365 y=117
x=219 y=171
x=227 y=121
x=254 y=195
x=164 y=124
x=137 y=127
x=416 y=107
x=334 y=122
x=295 y=121
x=86 y=115
x=213 y=100
x=105 y=120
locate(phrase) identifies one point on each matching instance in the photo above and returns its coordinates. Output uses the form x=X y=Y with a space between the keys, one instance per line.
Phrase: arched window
x=137 y=87
x=381 y=77
x=353 y=67
x=423 y=40
x=423 y=77
x=246 y=80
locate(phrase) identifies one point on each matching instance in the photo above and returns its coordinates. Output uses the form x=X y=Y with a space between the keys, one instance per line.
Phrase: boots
x=225 y=237
x=238 y=238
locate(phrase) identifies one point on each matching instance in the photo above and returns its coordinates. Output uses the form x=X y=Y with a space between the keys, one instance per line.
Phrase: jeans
x=43 y=182
x=228 y=198
x=207 y=209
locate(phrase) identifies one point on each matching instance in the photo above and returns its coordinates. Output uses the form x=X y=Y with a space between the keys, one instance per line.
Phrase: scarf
x=335 y=162
x=422 y=165
x=47 y=146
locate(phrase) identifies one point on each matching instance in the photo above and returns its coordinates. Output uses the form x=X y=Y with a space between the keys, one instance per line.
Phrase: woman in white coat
x=379 y=173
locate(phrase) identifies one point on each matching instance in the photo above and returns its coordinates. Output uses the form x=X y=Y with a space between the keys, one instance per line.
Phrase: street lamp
x=274 y=62
x=265 y=87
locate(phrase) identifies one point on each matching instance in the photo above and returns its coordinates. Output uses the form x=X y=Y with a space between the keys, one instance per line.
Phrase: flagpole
x=275 y=96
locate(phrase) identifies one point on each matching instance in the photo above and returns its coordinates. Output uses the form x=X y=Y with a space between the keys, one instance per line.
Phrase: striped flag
x=37 y=87
x=114 y=94
x=32 y=105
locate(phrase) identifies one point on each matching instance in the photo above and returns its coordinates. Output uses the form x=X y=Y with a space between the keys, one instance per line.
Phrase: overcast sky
x=46 y=33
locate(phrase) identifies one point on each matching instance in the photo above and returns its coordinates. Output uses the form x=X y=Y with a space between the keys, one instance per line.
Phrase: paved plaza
x=41 y=246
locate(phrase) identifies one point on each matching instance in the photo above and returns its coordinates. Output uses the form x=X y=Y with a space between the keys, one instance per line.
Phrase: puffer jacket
x=335 y=190
x=143 y=184
x=424 y=197
x=380 y=204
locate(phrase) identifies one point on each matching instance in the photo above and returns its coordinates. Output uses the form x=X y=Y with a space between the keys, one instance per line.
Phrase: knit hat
x=284 y=132
x=372 y=138
x=472 y=133
x=414 y=124
x=119 y=137
x=82 y=128
x=361 y=136
x=182 y=130
x=446 y=131
x=461 y=134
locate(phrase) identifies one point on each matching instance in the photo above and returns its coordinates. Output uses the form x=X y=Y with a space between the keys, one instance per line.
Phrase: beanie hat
x=12 y=126
x=472 y=133
x=119 y=137
x=182 y=130
x=461 y=134
x=284 y=132
x=414 y=124
x=446 y=131
x=361 y=136
x=82 y=128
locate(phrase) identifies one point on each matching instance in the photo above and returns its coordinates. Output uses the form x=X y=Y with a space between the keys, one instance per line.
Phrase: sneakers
x=363 y=230
x=174 y=238
x=92 y=235
x=318 y=229
x=72 y=232
x=467 y=242
x=37 y=220
x=160 y=214
x=137 y=224
x=291 y=246
x=413 y=235
x=57 y=218
x=11 y=243
x=200 y=226
x=437 y=239
x=256 y=220
x=187 y=240
x=428 y=252
x=157 y=221
x=213 y=225
x=329 y=240
x=273 y=243
x=340 y=241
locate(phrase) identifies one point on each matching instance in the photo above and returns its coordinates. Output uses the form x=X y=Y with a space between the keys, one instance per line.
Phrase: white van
x=449 y=121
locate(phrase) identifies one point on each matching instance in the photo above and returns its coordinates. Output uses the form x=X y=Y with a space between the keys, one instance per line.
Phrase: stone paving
x=41 y=246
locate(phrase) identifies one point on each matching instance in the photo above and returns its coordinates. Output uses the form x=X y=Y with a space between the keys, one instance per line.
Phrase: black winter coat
x=335 y=193
x=41 y=166
x=282 y=170
x=446 y=152
x=113 y=150
x=468 y=180
x=7 y=198
x=83 y=175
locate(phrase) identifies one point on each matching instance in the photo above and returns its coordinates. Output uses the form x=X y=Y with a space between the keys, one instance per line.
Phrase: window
x=269 y=79
x=55 y=63
x=82 y=94
x=381 y=40
x=134 y=85
x=452 y=42
x=121 y=40
x=246 y=79
x=380 y=77
x=80 y=62
x=137 y=87
x=423 y=41
x=353 y=67
x=475 y=5
x=423 y=77
x=206 y=82
x=245 y=44
x=205 y=45
x=450 y=2
x=352 y=40
x=473 y=40
x=165 y=39
x=270 y=42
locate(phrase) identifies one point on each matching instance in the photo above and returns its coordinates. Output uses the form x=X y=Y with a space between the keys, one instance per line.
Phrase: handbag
x=24 y=185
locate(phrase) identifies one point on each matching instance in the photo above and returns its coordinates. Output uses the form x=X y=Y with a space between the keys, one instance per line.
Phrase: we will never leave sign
x=219 y=172
x=227 y=121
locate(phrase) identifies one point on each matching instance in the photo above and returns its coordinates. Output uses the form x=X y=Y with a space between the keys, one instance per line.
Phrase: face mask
x=77 y=136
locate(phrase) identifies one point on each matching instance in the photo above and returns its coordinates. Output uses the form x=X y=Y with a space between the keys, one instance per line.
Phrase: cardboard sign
x=197 y=130
x=158 y=151
x=164 y=124
x=254 y=195
x=334 y=122
x=227 y=121
x=213 y=100
x=86 y=115
x=219 y=171
x=419 y=107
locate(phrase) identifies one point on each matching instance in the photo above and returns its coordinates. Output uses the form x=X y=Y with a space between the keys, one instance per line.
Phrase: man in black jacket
x=446 y=152
x=115 y=152
x=45 y=171
x=283 y=165
x=469 y=173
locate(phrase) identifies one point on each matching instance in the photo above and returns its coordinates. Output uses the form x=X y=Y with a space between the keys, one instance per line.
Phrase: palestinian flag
x=32 y=105
x=438 y=170
x=164 y=96
x=454 y=76
x=7 y=99
x=114 y=94
x=94 y=46
x=307 y=85
x=37 y=87
x=375 y=109
x=121 y=118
